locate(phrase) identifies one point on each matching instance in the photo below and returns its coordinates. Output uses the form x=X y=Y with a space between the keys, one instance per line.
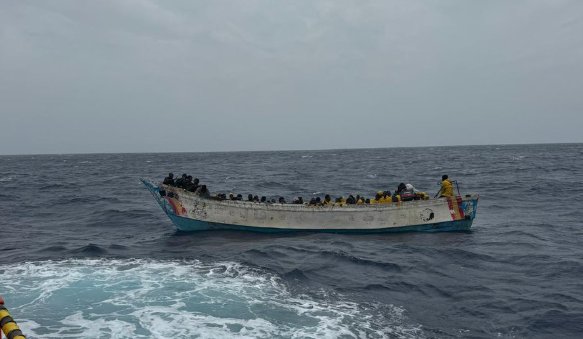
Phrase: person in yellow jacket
x=446 y=189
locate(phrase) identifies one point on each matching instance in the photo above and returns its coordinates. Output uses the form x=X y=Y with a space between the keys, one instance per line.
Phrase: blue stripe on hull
x=191 y=225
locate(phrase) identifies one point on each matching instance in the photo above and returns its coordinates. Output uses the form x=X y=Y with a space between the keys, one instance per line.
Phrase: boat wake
x=138 y=298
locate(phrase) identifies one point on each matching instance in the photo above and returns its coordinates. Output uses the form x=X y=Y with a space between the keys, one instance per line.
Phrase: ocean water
x=86 y=253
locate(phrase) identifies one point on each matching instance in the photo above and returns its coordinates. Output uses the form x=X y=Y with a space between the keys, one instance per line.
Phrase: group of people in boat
x=404 y=192
x=186 y=182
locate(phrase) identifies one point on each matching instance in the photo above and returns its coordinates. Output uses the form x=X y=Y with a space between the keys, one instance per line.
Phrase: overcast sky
x=156 y=76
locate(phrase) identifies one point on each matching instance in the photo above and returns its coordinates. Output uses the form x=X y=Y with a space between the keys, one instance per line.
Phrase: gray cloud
x=145 y=75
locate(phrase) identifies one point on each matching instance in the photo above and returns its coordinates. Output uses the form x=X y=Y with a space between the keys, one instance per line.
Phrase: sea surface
x=85 y=252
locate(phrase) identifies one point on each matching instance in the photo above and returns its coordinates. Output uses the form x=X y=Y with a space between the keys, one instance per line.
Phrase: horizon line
x=296 y=150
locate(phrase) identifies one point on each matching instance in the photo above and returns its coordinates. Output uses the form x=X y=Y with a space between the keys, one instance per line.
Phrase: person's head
x=183 y=175
x=203 y=188
x=367 y=201
x=300 y=200
x=263 y=199
x=327 y=197
x=189 y=178
x=401 y=186
x=170 y=175
x=239 y=197
x=255 y=198
x=378 y=196
x=196 y=181
x=318 y=200
x=444 y=177
x=281 y=200
x=250 y=197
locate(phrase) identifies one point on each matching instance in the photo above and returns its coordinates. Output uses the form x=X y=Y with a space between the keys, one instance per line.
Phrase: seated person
x=190 y=185
x=202 y=191
x=402 y=187
x=409 y=193
x=180 y=181
x=350 y=200
x=299 y=201
x=327 y=200
x=169 y=180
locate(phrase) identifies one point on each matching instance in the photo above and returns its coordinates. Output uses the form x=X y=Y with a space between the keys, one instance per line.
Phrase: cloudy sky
x=157 y=76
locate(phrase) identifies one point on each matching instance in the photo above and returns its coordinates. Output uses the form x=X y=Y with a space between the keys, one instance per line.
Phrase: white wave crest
x=138 y=298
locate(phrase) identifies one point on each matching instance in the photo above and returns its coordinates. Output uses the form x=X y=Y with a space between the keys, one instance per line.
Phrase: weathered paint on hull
x=191 y=213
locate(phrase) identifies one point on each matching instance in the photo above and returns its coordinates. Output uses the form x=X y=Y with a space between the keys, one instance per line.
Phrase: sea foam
x=139 y=298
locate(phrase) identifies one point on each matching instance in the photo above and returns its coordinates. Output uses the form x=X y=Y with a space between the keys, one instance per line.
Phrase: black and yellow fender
x=8 y=325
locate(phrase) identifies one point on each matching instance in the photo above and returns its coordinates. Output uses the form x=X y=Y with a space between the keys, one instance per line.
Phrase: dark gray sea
x=85 y=252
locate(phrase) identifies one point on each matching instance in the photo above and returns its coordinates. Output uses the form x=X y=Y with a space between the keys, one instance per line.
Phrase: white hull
x=185 y=206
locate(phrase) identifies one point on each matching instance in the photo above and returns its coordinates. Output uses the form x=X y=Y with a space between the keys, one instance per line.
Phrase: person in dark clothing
x=195 y=184
x=250 y=197
x=401 y=188
x=313 y=201
x=351 y=200
x=239 y=197
x=263 y=199
x=189 y=185
x=203 y=192
x=281 y=200
x=169 y=180
x=181 y=181
x=299 y=201
x=255 y=198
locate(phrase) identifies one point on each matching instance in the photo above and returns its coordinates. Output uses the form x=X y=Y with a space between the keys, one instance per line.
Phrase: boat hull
x=191 y=225
x=189 y=212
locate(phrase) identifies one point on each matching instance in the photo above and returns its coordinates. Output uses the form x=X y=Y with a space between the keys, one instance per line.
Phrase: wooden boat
x=190 y=212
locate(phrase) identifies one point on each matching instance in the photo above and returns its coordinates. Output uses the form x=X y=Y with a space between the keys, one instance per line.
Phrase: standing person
x=446 y=189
